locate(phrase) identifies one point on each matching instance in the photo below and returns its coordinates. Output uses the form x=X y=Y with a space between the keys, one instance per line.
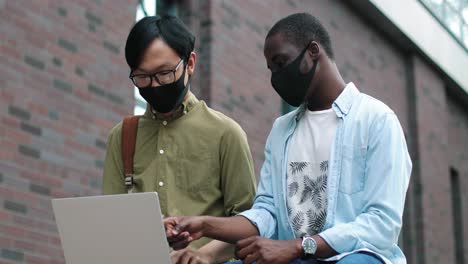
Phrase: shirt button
x=154 y=117
x=164 y=122
x=161 y=151
x=161 y=183
x=185 y=112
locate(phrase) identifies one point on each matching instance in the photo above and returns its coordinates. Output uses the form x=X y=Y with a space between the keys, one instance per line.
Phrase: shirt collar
x=342 y=103
x=345 y=100
x=187 y=105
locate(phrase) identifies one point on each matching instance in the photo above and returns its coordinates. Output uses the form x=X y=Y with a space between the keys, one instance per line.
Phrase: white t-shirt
x=308 y=154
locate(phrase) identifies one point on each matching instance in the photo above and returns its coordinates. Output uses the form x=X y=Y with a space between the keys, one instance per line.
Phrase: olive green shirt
x=198 y=161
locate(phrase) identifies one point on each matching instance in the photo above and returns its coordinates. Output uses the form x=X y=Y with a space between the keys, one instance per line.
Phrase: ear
x=191 y=63
x=314 y=50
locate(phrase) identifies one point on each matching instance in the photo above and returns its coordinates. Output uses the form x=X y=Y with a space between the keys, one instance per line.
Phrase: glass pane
x=455 y=3
x=453 y=15
x=434 y=2
x=436 y=6
x=465 y=35
x=453 y=21
x=465 y=14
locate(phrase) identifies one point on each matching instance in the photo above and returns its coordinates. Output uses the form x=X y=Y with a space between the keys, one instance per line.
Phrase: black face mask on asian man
x=167 y=97
x=290 y=83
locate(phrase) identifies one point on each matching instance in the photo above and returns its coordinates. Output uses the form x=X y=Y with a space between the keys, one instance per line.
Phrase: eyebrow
x=278 y=56
x=157 y=69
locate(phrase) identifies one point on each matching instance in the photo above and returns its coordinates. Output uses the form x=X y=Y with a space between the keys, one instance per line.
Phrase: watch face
x=309 y=246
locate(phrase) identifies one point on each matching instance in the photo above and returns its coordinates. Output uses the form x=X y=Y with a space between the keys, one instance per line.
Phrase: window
x=150 y=8
x=457 y=215
x=453 y=15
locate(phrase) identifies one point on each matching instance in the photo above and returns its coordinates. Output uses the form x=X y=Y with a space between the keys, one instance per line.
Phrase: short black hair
x=301 y=29
x=169 y=28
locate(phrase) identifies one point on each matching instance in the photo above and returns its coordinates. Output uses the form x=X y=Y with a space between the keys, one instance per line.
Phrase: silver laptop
x=112 y=229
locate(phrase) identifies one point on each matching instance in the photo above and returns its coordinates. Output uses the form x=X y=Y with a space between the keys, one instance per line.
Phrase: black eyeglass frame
x=154 y=75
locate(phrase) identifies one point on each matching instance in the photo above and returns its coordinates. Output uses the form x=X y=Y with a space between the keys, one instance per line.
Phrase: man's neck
x=328 y=89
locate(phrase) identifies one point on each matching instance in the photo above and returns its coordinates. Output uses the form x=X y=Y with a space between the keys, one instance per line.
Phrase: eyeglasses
x=162 y=77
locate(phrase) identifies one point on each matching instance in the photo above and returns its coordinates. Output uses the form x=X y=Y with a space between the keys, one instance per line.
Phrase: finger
x=178 y=229
x=194 y=236
x=185 y=258
x=247 y=250
x=183 y=243
x=180 y=245
x=170 y=232
x=170 y=221
x=169 y=226
x=184 y=223
x=244 y=242
x=180 y=237
x=197 y=260
x=251 y=258
x=250 y=249
x=175 y=255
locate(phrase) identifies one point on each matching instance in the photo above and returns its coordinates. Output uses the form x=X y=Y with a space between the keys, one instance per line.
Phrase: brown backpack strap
x=129 y=133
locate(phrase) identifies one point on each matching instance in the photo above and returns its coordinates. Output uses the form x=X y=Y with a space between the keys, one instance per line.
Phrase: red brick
x=23 y=221
x=13 y=231
x=55 y=241
x=36 y=260
x=18 y=136
x=10 y=121
x=24 y=245
x=5 y=242
x=37 y=236
x=4 y=216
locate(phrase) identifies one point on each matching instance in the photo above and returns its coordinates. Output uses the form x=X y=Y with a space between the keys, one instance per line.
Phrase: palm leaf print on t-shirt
x=306 y=192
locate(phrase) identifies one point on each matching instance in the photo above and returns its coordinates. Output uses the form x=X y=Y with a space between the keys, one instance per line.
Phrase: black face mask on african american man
x=290 y=83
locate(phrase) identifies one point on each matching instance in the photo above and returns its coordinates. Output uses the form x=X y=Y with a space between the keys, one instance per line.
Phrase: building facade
x=65 y=84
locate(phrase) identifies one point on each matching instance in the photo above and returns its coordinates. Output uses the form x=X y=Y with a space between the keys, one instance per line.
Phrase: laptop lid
x=114 y=229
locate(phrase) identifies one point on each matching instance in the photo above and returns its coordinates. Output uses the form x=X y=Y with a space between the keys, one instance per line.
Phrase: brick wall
x=197 y=15
x=240 y=80
x=63 y=86
x=458 y=159
x=432 y=122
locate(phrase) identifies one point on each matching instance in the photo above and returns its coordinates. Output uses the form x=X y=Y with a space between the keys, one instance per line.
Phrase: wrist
x=298 y=250
x=205 y=223
x=207 y=255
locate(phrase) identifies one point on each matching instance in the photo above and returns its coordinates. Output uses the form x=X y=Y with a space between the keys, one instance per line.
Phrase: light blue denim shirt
x=368 y=177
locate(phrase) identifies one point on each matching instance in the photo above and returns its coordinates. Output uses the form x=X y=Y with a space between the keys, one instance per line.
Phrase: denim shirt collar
x=341 y=105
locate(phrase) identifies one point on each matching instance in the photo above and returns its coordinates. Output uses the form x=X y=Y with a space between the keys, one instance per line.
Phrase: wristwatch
x=309 y=247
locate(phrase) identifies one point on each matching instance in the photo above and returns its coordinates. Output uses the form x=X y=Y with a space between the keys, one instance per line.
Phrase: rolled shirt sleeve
x=263 y=212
